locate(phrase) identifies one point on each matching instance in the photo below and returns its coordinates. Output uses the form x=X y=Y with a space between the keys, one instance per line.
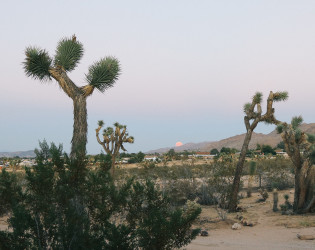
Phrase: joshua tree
x=300 y=147
x=253 y=115
x=101 y=75
x=113 y=140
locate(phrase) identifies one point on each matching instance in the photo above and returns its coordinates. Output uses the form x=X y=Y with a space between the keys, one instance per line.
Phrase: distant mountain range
x=271 y=139
x=21 y=154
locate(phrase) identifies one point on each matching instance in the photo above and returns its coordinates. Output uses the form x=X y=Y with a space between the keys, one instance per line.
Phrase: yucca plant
x=113 y=140
x=253 y=116
x=251 y=172
x=101 y=75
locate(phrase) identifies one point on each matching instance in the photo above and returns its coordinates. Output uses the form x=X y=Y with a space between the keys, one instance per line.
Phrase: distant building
x=150 y=158
x=27 y=163
x=204 y=155
x=280 y=152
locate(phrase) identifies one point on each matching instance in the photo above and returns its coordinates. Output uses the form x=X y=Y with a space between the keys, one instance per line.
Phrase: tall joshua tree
x=253 y=115
x=101 y=75
x=300 y=147
x=113 y=140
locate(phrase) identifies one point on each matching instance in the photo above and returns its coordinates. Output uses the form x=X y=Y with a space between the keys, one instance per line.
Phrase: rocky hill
x=21 y=154
x=271 y=139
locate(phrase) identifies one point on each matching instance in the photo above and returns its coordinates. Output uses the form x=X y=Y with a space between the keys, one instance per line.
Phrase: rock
x=236 y=226
x=204 y=233
x=244 y=222
x=305 y=237
x=288 y=212
x=240 y=209
x=239 y=216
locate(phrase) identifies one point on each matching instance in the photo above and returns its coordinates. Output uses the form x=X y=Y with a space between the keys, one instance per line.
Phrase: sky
x=188 y=67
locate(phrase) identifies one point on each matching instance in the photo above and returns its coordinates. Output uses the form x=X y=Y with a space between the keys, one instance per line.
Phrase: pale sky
x=187 y=67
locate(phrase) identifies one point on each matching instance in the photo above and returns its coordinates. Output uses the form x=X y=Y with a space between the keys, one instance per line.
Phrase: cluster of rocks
x=243 y=221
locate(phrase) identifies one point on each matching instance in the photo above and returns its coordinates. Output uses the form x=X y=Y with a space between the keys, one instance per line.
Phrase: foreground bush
x=62 y=204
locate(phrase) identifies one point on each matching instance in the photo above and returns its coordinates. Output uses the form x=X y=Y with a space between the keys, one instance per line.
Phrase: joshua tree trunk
x=304 y=193
x=78 y=95
x=299 y=148
x=113 y=164
x=79 y=137
x=238 y=172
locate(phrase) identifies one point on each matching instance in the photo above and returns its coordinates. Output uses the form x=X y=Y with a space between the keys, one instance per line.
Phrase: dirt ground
x=271 y=230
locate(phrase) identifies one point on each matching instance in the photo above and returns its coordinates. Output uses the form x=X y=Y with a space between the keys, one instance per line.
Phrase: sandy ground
x=270 y=231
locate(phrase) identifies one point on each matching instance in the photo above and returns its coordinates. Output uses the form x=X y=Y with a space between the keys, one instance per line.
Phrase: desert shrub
x=287 y=204
x=219 y=184
x=148 y=164
x=264 y=194
x=65 y=205
x=279 y=181
x=277 y=173
x=181 y=190
x=204 y=195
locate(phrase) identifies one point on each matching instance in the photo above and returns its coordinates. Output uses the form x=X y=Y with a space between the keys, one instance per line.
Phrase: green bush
x=276 y=173
x=181 y=190
x=64 y=205
x=219 y=183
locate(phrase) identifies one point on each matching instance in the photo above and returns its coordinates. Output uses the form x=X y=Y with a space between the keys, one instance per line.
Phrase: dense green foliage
x=104 y=73
x=136 y=158
x=68 y=53
x=214 y=151
x=61 y=204
x=228 y=150
x=37 y=63
x=281 y=145
x=267 y=149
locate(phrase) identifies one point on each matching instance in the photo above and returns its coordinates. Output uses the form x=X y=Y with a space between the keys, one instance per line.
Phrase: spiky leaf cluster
x=280 y=128
x=118 y=125
x=296 y=121
x=246 y=107
x=108 y=131
x=68 y=53
x=104 y=73
x=37 y=63
x=257 y=98
x=281 y=96
x=100 y=123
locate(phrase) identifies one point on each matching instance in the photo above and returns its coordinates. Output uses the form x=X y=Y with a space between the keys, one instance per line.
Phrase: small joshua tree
x=252 y=171
x=300 y=147
x=101 y=75
x=275 y=200
x=253 y=116
x=113 y=140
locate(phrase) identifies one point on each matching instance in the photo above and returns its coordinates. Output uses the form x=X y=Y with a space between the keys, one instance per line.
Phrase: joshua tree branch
x=87 y=90
x=64 y=81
